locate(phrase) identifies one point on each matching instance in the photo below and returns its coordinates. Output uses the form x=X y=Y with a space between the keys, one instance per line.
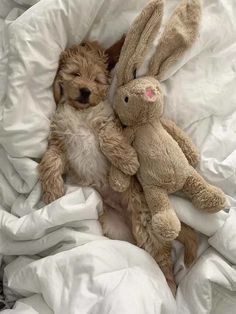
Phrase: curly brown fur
x=188 y=237
x=114 y=148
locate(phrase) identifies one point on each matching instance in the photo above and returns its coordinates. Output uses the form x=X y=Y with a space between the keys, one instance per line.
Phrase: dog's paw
x=118 y=181
x=120 y=184
x=99 y=124
x=131 y=166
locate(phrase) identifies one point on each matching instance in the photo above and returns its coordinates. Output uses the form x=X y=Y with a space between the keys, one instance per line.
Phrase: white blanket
x=55 y=259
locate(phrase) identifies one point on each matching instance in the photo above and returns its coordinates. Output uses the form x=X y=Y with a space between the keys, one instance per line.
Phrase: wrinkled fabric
x=58 y=250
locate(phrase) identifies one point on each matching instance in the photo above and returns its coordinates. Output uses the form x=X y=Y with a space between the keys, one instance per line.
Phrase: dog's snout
x=85 y=92
x=84 y=95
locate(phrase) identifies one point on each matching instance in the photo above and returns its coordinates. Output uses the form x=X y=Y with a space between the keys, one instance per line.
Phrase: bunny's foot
x=203 y=195
x=166 y=225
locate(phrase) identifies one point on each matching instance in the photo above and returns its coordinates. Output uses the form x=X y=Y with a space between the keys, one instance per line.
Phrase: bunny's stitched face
x=139 y=101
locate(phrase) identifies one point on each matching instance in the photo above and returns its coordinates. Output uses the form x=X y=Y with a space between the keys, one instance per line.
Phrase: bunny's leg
x=203 y=195
x=165 y=222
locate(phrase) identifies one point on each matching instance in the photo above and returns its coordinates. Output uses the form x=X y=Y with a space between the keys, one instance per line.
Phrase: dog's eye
x=126 y=99
x=76 y=74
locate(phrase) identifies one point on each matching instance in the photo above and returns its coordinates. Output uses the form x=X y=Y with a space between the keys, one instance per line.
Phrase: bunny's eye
x=126 y=99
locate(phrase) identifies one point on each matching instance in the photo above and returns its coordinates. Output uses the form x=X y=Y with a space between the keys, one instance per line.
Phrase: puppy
x=83 y=76
x=76 y=142
x=78 y=147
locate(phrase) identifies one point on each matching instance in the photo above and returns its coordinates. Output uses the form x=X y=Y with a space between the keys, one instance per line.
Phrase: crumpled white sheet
x=73 y=266
x=99 y=277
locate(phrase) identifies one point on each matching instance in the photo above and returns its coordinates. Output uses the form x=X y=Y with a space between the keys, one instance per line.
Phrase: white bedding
x=55 y=259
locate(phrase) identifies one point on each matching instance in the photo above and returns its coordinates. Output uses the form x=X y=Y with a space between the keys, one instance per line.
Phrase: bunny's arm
x=183 y=140
x=117 y=148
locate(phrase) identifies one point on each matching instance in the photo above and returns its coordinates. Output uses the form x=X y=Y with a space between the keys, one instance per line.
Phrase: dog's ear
x=113 y=52
x=57 y=88
x=57 y=83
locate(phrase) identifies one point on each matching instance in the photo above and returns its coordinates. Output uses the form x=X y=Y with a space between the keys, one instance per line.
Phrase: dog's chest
x=82 y=145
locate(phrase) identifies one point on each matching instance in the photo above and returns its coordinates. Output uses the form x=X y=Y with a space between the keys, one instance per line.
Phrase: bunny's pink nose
x=149 y=92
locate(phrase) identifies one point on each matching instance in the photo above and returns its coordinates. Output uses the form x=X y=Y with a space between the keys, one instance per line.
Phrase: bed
x=54 y=258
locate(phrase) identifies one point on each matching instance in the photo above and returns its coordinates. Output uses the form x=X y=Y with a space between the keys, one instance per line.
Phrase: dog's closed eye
x=76 y=74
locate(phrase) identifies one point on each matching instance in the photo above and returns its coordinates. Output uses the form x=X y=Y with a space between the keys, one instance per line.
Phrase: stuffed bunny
x=166 y=155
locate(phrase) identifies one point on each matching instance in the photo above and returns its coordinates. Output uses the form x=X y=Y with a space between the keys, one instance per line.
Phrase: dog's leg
x=164 y=260
x=117 y=149
x=51 y=169
x=159 y=250
x=189 y=238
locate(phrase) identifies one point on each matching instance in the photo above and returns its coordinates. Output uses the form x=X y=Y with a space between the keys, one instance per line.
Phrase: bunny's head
x=139 y=100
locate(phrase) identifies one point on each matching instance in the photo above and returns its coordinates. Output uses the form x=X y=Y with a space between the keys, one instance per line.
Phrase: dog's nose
x=85 y=92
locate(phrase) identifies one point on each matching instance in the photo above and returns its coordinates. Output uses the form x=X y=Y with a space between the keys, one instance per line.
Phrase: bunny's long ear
x=178 y=36
x=138 y=39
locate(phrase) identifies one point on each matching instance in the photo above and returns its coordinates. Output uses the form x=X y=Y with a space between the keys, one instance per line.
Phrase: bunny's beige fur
x=166 y=155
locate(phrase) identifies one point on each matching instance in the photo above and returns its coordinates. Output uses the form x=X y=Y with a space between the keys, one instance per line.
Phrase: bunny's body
x=162 y=161
x=166 y=155
x=157 y=152
x=164 y=167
